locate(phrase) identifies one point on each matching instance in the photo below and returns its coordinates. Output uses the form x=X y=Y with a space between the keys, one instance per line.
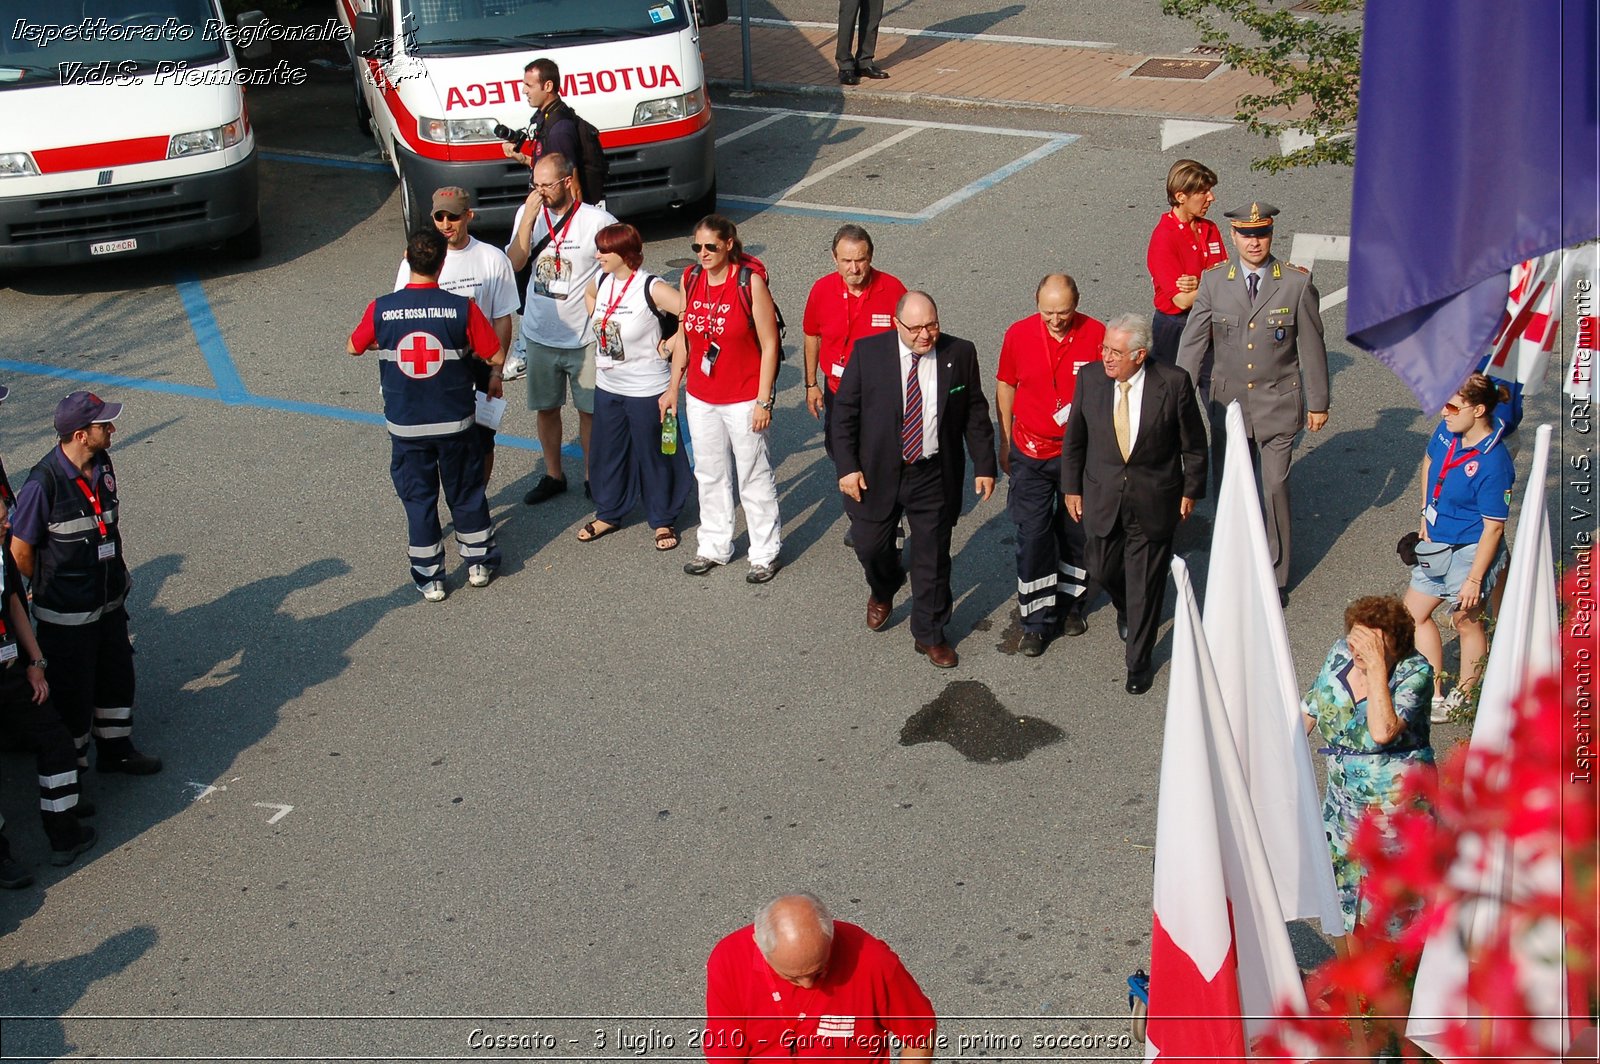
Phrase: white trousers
x=718 y=430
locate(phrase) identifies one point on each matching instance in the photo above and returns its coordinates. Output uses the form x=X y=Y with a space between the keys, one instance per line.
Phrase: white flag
x=1525 y=648
x=1520 y=350
x=1255 y=671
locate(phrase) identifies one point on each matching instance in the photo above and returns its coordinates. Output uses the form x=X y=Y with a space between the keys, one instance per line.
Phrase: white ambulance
x=122 y=132
x=434 y=77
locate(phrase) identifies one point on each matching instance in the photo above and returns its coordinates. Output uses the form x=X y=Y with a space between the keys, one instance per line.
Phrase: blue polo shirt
x=1476 y=485
x=32 y=512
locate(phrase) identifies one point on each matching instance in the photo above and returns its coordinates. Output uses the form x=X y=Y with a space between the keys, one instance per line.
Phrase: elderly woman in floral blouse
x=1369 y=706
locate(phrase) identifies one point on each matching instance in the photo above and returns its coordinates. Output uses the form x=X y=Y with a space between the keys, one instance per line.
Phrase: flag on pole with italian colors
x=1221 y=964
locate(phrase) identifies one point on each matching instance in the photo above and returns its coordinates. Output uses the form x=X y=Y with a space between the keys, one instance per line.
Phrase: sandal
x=589 y=533
x=665 y=534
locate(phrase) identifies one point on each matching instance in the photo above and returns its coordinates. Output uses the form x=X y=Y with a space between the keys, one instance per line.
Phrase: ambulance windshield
x=447 y=27
x=101 y=41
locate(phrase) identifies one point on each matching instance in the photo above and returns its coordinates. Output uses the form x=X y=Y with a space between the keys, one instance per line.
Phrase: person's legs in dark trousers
x=1145 y=564
x=1033 y=503
x=613 y=478
x=1075 y=591
x=1104 y=560
x=461 y=472
x=870 y=15
x=414 y=468
x=72 y=651
x=114 y=684
x=922 y=498
x=850 y=12
x=54 y=757
x=1165 y=332
x=880 y=561
x=665 y=480
x=1272 y=457
x=827 y=420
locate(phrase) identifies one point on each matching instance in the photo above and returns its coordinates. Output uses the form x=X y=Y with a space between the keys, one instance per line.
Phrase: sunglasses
x=440 y=216
x=698 y=248
x=1452 y=408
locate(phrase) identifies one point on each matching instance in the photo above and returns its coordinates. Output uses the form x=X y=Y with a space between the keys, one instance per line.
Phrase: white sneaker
x=434 y=592
x=1444 y=706
x=479 y=575
x=516 y=366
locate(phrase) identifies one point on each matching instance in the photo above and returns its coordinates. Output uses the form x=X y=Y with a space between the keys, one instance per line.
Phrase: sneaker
x=699 y=565
x=760 y=574
x=479 y=575
x=516 y=365
x=69 y=853
x=12 y=875
x=434 y=592
x=128 y=760
x=1446 y=705
x=548 y=487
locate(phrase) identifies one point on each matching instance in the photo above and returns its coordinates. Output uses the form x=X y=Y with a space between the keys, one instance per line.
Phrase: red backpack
x=748 y=265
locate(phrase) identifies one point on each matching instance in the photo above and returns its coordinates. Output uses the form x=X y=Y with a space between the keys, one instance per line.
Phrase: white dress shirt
x=928 y=380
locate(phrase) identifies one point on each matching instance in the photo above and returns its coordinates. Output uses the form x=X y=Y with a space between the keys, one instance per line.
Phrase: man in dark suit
x=1132 y=466
x=909 y=407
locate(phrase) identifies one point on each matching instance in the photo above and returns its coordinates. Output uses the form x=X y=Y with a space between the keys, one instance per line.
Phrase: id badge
x=558 y=288
x=1062 y=414
x=1431 y=514
x=609 y=340
x=106 y=551
x=836 y=370
x=709 y=359
x=8 y=652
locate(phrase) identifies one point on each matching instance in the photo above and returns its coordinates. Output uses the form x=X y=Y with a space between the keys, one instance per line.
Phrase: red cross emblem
x=419 y=355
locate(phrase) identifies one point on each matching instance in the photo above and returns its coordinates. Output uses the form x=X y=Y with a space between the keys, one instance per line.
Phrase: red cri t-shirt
x=715 y=314
x=1177 y=250
x=865 y=996
x=841 y=318
x=1044 y=371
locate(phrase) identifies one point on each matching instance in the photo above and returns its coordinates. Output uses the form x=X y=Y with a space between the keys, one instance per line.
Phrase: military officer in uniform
x=1261 y=317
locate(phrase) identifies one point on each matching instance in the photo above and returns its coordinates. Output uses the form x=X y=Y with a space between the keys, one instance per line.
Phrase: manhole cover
x=1175 y=69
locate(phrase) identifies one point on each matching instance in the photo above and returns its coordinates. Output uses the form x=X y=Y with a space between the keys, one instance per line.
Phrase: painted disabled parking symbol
x=420 y=355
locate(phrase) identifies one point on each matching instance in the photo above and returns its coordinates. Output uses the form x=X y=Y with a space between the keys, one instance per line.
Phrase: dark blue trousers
x=1051 y=578
x=626 y=463
x=419 y=467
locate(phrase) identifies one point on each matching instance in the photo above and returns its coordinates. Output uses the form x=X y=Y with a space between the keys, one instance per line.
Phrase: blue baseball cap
x=82 y=409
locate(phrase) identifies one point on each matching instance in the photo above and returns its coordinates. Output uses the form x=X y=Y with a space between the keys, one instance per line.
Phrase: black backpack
x=594 y=167
x=669 y=321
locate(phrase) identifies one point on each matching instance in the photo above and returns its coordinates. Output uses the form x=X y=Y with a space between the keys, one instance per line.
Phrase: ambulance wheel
x=413 y=212
x=1136 y=1019
x=245 y=245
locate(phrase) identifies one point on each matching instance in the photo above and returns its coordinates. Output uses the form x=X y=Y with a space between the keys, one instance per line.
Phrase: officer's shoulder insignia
x=1216 y=265
x=1300 y=269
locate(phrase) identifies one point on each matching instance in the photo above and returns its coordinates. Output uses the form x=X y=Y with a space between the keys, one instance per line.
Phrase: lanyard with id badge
x=552 y=275
x=107 y=548
x=607 y=334
x=714 y=349
x=1450 y=462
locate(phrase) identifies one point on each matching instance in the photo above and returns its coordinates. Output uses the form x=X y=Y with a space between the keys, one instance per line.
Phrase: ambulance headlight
x=204 y=140
x=670 y=109
x=17 y=164
x=456 y=130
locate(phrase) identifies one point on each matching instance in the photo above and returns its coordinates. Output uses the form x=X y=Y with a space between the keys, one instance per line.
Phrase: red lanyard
x=711 y=307
x=94 y=501
x=1054 y=352
x=612 y=306
x=557 y=239
x=852 y=308
x=1472 y=452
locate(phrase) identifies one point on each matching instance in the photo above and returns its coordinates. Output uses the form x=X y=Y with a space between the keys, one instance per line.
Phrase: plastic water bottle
x=669 y=433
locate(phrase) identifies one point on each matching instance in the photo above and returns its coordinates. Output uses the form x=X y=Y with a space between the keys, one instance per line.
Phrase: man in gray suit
x=1261 y=318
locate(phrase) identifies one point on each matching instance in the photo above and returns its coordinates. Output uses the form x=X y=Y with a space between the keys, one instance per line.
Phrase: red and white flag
x=1520 y=350
x=1221 y=964
x=1582 y=271
x=1255 y=671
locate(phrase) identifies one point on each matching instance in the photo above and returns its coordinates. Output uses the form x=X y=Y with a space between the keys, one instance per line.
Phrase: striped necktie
x=911 y=427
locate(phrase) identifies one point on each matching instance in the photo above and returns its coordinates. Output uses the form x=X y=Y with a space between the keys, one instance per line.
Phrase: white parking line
x=942 y=35
x=760 y=123
x=840 y=116
x=1309 y=247
x=847 y=162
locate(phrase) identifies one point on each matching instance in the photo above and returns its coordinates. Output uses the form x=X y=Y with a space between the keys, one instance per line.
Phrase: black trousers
x=858 y=20
x=921 y=500
x=40 y=729
x=1051 y=577
x=91 y=680
x=1133 y=570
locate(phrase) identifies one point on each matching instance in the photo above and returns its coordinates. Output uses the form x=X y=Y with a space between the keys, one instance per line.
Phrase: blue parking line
x=308 y=159
x=208 y=334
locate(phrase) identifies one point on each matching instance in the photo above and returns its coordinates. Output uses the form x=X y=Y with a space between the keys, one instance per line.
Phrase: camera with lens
x=517 y=138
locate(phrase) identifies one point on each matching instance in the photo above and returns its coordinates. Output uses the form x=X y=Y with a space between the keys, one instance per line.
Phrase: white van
x=434 y=77
x=123 y=131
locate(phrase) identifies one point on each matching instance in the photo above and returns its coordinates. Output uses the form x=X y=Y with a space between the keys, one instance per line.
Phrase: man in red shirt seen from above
x=1039 y=362
x=796 y=983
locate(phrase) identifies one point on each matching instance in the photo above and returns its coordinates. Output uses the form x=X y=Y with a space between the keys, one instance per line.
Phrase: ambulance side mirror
x=249 y=23
x=366 y=34
x=712 y=12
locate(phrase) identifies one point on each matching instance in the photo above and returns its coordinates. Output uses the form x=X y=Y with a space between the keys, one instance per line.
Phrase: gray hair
x=767 y=935
x=1137 y=326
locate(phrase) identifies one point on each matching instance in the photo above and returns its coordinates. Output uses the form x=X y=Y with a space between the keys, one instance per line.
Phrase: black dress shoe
x=1122 y=628
x=849 y=77
x=1139 y=682
x=128 y=760
x=12 y=875
x=873 y=71
x=1033 y=644
x=1074 y=625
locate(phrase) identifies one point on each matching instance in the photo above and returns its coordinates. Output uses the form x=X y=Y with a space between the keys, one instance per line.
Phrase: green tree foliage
x=1311 y=56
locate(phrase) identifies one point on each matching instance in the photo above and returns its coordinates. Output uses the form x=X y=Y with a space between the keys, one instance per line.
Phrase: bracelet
x=810 y=385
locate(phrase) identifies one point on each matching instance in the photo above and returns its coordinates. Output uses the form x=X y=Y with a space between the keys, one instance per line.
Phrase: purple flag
x=1477 y=147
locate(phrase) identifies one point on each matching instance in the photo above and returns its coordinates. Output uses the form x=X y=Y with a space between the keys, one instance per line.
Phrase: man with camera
x=554 y=128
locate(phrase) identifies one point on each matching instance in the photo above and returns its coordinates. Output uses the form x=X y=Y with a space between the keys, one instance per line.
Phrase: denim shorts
x=1442 y=575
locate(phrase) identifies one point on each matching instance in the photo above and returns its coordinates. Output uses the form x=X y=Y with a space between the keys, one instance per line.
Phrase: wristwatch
x=41 y=663
x=766 y=405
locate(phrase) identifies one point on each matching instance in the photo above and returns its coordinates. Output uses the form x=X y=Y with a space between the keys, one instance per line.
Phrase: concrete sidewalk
x=978 y=69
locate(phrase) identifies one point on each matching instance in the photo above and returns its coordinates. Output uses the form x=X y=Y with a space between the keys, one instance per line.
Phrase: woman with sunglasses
x=727 y=351
x=1467 y=476
x=631 y=378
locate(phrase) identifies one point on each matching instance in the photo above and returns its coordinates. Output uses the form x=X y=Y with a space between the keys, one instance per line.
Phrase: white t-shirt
x=632 y=332
x=554 y=314
x=479 y=271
